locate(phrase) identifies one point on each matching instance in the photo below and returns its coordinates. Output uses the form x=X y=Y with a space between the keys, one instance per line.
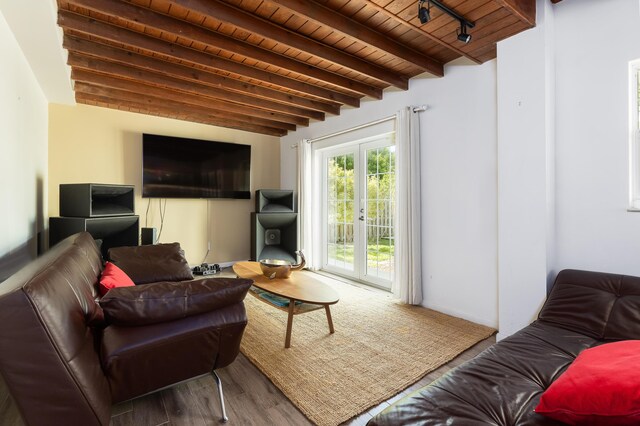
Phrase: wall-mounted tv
x=175 y=167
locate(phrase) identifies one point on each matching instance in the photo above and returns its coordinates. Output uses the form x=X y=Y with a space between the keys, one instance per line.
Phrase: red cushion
x=602 y=386
x=113 y=277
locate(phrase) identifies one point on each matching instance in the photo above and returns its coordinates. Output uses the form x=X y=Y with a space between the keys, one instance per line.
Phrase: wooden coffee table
x=301 y=292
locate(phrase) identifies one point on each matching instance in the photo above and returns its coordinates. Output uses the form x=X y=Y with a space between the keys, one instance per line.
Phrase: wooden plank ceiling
x=267 y=66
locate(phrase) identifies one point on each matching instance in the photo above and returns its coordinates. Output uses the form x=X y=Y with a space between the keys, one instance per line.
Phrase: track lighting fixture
x=424 y=15
x=462 y=34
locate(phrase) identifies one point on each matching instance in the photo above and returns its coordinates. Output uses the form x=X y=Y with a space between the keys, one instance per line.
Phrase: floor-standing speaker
x=274 y=226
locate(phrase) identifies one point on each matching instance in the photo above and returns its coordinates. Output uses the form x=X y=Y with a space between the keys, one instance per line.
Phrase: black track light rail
x=451 y=13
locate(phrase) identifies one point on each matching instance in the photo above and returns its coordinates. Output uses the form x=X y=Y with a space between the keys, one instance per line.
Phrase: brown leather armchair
x=66 y=359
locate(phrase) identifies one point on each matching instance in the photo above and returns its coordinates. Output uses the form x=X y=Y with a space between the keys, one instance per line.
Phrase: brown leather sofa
x=503 y=384
x=65 y=362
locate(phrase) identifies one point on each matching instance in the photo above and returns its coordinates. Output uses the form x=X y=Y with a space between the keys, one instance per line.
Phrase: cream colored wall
x=91 y=144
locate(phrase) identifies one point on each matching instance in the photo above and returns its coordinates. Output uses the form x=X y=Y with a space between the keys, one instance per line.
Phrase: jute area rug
x=379 y=348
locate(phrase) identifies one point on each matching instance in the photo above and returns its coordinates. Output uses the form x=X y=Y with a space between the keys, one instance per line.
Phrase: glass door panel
x=358 y=211
x=340 y=207
x=379 y=196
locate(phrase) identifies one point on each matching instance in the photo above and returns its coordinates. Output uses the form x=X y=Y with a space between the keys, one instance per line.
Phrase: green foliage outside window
x=380 y=194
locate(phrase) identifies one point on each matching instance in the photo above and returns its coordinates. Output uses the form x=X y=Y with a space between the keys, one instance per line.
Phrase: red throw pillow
x=113 y=277
x=602 y=386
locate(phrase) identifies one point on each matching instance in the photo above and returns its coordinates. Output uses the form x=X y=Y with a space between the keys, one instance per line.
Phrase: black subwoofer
x=148 y=236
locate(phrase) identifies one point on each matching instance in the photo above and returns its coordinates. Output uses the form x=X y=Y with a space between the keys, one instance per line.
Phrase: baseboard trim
x=459 y=314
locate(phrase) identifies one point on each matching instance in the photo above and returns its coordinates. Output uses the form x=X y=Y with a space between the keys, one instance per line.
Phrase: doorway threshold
x=351 y=281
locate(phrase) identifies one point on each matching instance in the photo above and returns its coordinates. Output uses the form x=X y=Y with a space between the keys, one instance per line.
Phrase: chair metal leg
x=224 y=418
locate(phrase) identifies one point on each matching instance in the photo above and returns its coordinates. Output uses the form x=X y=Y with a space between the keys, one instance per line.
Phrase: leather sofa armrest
x=168 y=301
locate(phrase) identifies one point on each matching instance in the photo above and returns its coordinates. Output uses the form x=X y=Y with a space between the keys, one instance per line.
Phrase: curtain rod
x=420 y=108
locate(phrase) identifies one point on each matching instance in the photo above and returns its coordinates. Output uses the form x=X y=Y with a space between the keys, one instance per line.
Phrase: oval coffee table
x=298 y=294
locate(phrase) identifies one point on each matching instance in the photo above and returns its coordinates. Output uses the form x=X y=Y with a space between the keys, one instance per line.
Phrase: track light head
x=424 y=13
x=462 y=34
x=465 y=38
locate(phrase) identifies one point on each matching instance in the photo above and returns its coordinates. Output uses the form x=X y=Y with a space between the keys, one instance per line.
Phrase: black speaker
x=275 y=201
x=95 y=200
x=148 y=236
x=114 y=231
x=274 y=236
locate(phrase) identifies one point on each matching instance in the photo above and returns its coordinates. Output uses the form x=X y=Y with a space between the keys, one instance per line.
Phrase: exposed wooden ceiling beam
x=139 y=87
x=346 y=26
x=153 y=101
x=258 y=26
x=407 y=24
x=135 y=40
x=168 y=25
x=175 y=111
x=89 y=48
x=160 y=80
x=525 y=10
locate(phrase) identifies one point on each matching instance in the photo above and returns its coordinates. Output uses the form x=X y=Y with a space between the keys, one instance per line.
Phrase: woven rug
x=379 y=348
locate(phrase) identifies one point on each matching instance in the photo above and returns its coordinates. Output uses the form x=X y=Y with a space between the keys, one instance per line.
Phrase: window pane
x=372 y=212
x=372 y=161
x=340 y=212
x=332 y=211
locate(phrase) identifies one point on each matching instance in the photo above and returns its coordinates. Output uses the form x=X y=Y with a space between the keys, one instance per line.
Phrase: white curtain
x=305 y=202
x=407 y=280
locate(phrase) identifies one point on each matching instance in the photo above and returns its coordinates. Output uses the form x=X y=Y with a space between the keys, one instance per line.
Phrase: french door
x=359 y=200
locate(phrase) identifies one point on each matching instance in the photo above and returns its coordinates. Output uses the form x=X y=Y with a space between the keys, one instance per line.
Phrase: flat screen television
x=175 y=167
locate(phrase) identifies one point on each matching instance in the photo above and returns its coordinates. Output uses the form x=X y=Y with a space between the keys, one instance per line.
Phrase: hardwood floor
x=251 y=399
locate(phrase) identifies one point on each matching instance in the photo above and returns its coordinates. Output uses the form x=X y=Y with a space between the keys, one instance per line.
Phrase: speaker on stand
x=274 y=226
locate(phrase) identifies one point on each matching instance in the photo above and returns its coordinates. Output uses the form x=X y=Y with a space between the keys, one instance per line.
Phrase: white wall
x=23 y=155
x=525 y=171
x=563 y=151
x=595 y=42
x=34 y=25
x=459 y=183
